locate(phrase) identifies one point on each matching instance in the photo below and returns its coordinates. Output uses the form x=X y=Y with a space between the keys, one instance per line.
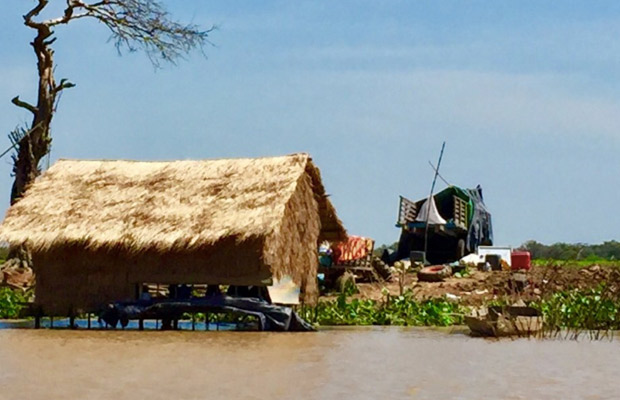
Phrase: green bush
x=10 y=302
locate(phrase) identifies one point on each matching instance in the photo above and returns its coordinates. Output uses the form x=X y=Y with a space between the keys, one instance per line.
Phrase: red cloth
x=355 y=248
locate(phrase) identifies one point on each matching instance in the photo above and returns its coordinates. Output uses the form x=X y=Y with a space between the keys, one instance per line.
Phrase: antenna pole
x=430 y=197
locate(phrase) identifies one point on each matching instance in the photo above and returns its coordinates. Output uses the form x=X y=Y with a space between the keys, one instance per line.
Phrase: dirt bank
x=484 y=286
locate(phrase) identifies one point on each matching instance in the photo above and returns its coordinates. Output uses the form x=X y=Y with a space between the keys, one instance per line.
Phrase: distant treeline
x=558 y=251
x=578 y=251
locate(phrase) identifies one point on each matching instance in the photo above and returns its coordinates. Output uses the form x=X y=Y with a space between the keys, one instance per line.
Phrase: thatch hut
x=98 y=229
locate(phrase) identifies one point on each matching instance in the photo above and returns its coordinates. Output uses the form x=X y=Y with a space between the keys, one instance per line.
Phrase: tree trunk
x=36 y=143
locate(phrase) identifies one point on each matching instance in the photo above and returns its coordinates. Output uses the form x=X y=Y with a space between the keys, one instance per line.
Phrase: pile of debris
x=487 y=259
x=16 y=273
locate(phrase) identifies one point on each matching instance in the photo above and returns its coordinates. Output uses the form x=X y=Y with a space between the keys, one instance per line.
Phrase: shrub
x=11 y=302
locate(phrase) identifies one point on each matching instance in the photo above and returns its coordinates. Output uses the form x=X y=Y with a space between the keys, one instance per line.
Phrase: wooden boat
x=506 y=321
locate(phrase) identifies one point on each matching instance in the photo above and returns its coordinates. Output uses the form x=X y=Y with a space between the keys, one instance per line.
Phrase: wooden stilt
x=88 y=316
x=37 y=317
x=193 y=322
x=72 y=320
x=206 y=321
x=141 y=324
x=51 y=321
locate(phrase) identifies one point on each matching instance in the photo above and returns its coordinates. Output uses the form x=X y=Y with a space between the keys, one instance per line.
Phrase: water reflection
x=132 y=325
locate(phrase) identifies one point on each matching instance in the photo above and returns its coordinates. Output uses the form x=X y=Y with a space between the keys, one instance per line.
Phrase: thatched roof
x=162 y=206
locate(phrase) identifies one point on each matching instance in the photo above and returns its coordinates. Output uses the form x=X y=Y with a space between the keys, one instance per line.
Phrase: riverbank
x=572 y=299
x=478 y=287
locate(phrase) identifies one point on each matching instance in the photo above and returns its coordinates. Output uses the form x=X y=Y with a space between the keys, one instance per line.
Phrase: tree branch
x=65 y=19
x=64 y=84
x=146 y=25
x=34 y=12
x=134 y=25
x=25 y=105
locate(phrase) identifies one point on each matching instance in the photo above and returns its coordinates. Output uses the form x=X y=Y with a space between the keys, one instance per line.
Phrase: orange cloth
x=355 y=248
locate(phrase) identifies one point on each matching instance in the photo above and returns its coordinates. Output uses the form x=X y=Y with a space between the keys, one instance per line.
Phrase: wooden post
x=51 y=321
x=141 y=324
x=206 y=320
x=71 y=318
x=193 y=321
x=88 y=316
x=37 y=318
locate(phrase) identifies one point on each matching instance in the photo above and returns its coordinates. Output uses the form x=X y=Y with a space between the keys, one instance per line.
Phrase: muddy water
x=378 y=363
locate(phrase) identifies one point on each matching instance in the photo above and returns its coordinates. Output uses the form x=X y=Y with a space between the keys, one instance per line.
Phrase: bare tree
x=134 y=25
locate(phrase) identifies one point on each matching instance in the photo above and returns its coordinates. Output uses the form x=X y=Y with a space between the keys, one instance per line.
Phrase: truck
x=442 y=228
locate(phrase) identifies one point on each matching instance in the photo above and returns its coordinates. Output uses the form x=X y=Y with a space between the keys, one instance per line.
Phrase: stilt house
x=97 y=230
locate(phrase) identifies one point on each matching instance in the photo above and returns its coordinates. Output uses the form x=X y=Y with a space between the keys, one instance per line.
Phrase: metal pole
x=439 y=175
x=430 y=198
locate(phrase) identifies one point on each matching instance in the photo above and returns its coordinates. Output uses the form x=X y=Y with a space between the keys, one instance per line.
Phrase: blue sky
x=526 y=94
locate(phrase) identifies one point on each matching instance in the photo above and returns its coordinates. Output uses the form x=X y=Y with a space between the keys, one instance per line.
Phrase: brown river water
x=359 y=363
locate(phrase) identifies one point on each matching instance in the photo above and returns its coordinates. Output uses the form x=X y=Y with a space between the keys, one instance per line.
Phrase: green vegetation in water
x=401 y=310
x=571 y=311
x=594 y=309
x=11 y=302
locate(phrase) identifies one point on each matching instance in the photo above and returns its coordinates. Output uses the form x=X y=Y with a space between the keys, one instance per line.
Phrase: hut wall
x=292 y=250
x=71 y=284
x=82 y=280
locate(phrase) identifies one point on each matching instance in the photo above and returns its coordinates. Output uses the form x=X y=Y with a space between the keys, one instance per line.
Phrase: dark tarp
x=270 y=317
x=480 y=227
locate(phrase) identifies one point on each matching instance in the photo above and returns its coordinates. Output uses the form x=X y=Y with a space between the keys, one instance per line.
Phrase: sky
x=525 y=94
